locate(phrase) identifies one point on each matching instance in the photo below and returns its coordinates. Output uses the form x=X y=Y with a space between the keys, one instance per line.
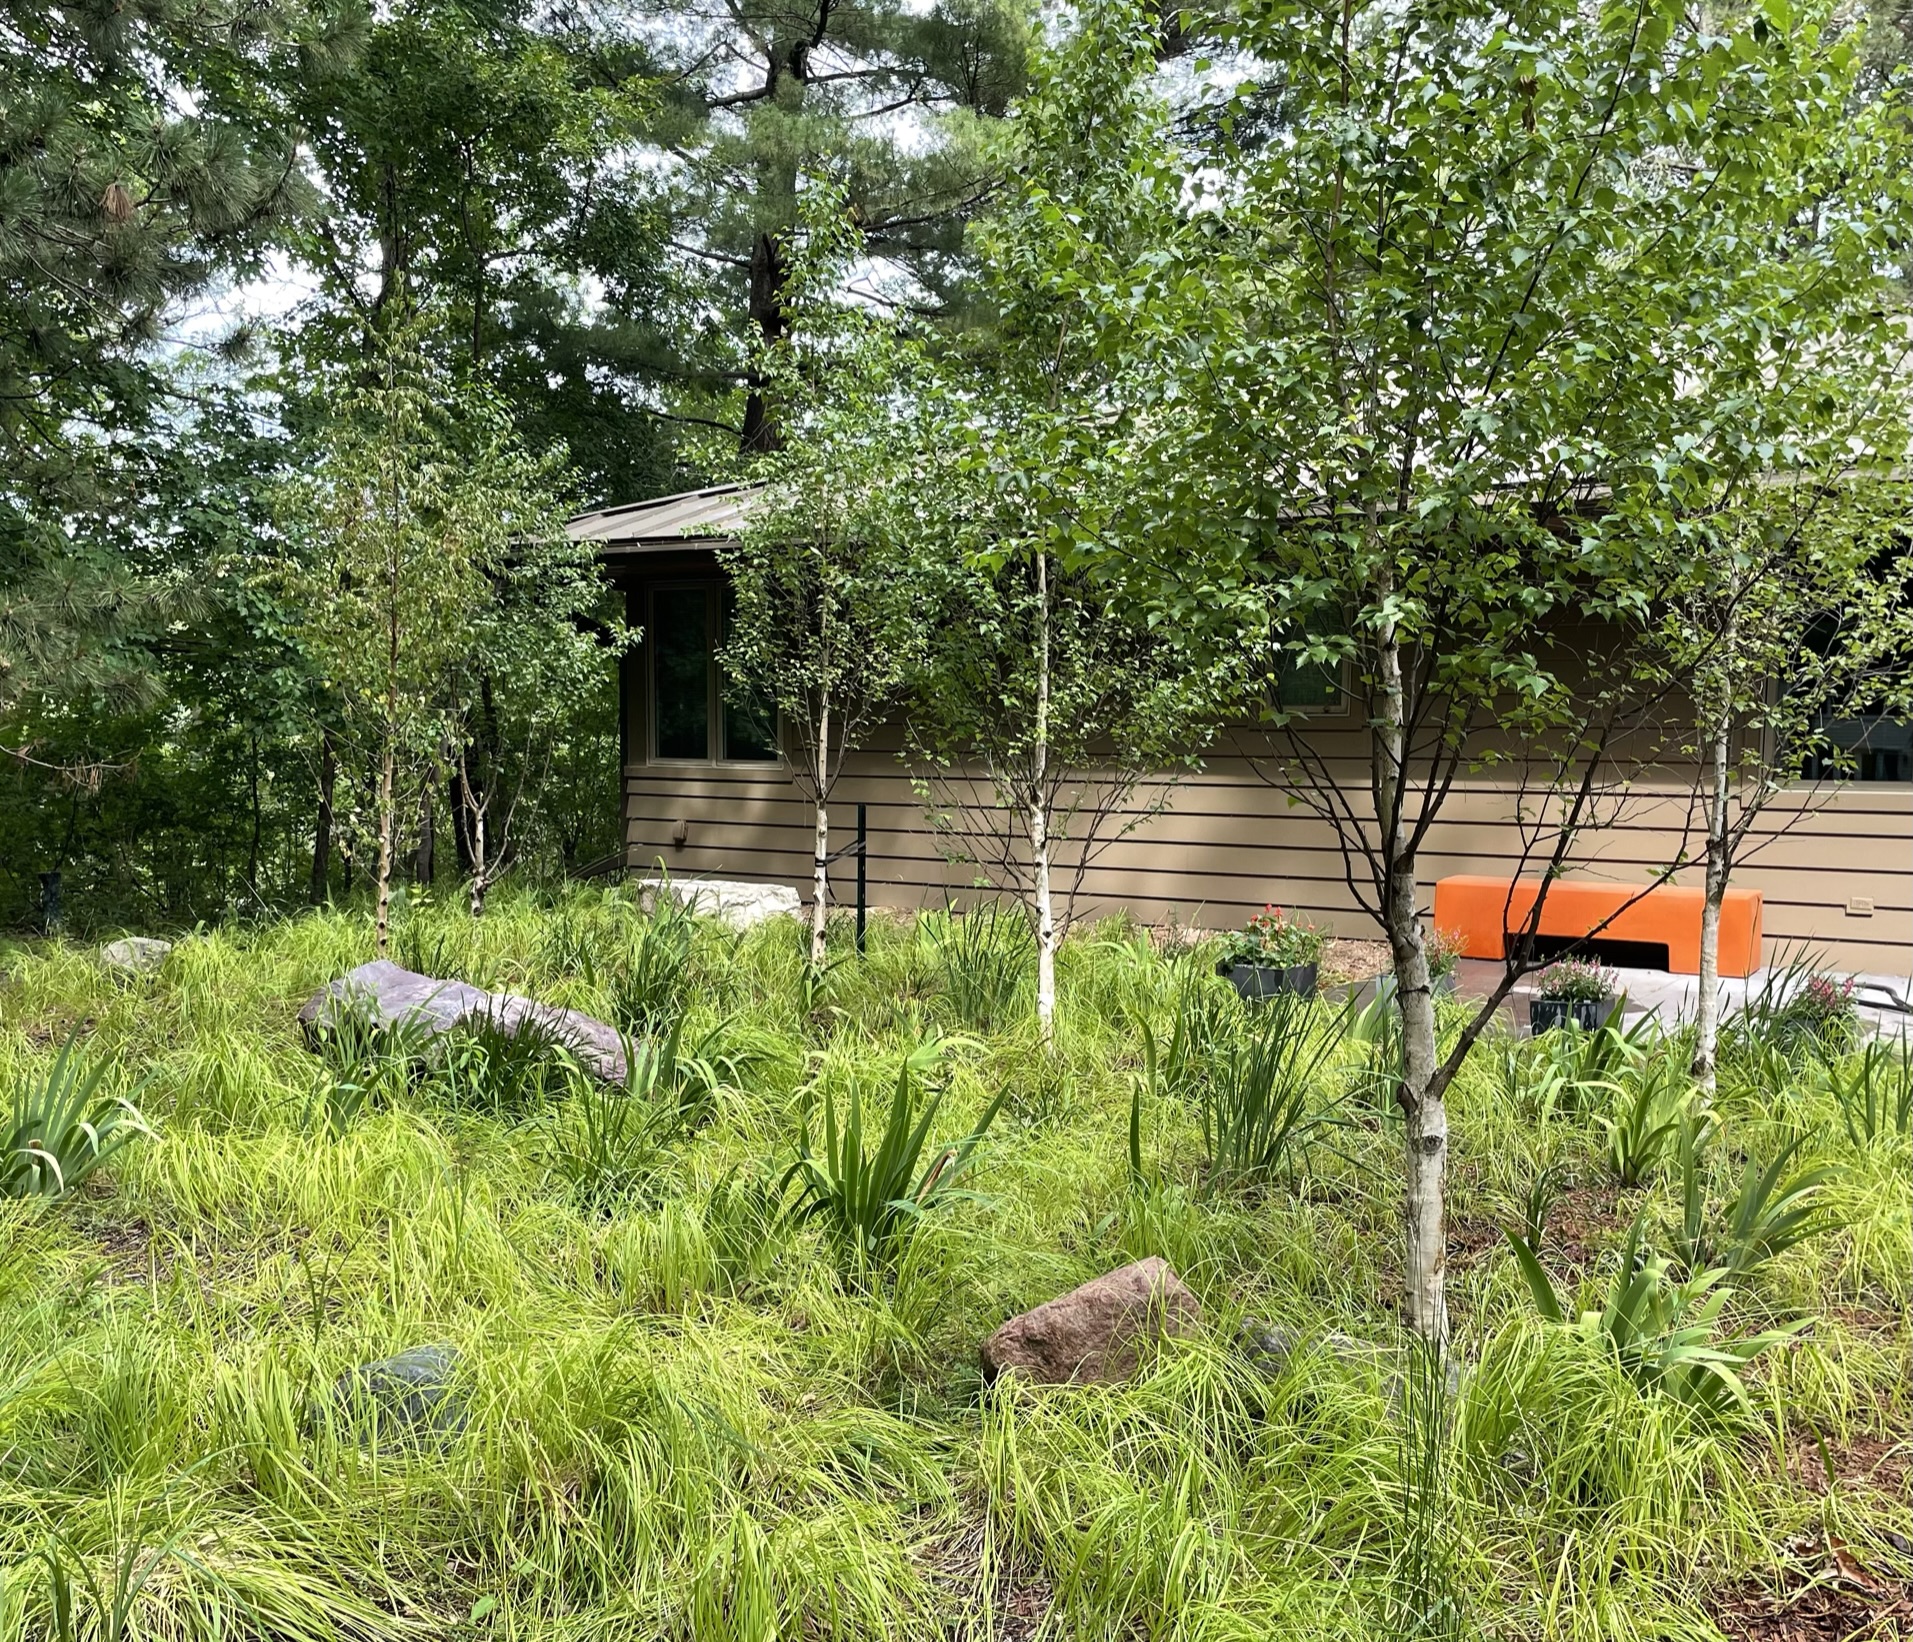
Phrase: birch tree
x=1400 y=376
x=1797 y=615
x=411 y=507
x=829 y=615
x=1048 y=722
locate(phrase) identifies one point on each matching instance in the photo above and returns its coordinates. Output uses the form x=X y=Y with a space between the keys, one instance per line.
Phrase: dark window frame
x=716 y=752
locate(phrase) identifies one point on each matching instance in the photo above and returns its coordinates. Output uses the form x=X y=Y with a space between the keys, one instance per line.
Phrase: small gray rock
x=411 y=1393
x=138 y=954
x=1271 y=1347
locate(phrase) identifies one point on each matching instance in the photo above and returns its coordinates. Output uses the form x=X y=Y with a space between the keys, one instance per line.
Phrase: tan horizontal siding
x=1230 y=841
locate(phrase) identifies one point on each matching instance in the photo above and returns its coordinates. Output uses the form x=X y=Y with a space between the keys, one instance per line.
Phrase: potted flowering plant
x=1572 y=990
x=1273 y=953
x=1443 y=947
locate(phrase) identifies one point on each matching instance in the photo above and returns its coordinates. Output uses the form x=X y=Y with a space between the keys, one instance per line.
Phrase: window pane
x=1868 y=749
x=1300 y=682
x=750 y=730
x=680 y=642
x=750 y=725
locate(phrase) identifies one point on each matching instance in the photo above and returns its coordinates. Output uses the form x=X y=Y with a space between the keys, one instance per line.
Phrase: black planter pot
x=1254 y=982
x=1545 y=1014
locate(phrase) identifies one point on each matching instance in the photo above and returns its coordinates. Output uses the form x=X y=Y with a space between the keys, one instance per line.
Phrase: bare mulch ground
x=1826 y=1595
x=1018 y=1599
x=1345 y=960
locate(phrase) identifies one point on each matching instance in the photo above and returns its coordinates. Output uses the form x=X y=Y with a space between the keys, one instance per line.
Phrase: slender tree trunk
x=1039 y=815
x=480 y=840
x=252 y=844
x=322 y=827
x=1714 y=802
x=1425 y=1126
x=382 y=918
x=820 y=853
x=423 y=863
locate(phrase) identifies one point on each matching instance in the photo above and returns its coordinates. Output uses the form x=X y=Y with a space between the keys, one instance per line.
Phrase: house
x=705 y=793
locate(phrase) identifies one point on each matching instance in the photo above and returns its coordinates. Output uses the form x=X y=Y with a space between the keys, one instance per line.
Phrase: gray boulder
x=137 y=954
x=1098 y=1332
x=407 y=1395
x=740 y=905
x=396 y=996
x=1271 y=1347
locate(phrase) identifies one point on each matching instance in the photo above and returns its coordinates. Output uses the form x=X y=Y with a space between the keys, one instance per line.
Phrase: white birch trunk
x=1425 y=1126
x=1039 y=816
x=481 y=861
x=820 y=857
x=382 y=918
x=1714 y=803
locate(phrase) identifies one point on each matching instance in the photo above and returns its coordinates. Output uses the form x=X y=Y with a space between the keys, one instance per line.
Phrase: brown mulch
x=1828 y=1596
x=1585 y=1221
x=1346 y=960
x=1820 y=1613
x=1883 y=1464
x=1018 y=1599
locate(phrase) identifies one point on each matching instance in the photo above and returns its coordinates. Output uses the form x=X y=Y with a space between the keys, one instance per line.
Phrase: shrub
x=1664 y=1334
x=870 y=1203
x=63 y=1126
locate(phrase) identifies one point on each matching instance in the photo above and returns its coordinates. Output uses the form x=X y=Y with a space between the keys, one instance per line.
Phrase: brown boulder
x=1096 y=1332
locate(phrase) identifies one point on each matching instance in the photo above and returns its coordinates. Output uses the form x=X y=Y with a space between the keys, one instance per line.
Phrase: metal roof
x=693 y=518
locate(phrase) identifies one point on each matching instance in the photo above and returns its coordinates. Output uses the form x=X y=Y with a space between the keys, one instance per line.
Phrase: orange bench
x=1483 y=912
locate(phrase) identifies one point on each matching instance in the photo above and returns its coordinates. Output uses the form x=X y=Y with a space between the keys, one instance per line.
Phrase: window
x=1302 y=685
x=1872 y=748
x=691 y=719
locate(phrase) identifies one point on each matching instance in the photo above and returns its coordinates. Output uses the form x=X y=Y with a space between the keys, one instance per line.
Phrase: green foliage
x=1272 y=936
x=150 y=157
x=1873 y=1089
x=507 y=1069
x=653 y=971
x=1538 y=1202
x=478 y=166
x=1648 y=1113
x=655 y=1340
x=1773 y=1211
x=1262 y=1101
x=368 y=1062
x=984 y=962
x=62 y=1125
x=1664 y=1334
x=1575 y=982
x=1205 y=1013
x=871 y=1203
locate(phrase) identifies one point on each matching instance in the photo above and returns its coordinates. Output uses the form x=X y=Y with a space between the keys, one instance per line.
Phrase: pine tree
x=895 y=103
x=145 y=153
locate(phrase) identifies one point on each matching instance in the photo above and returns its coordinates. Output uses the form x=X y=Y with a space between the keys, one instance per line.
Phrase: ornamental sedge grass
x=682 y=1420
